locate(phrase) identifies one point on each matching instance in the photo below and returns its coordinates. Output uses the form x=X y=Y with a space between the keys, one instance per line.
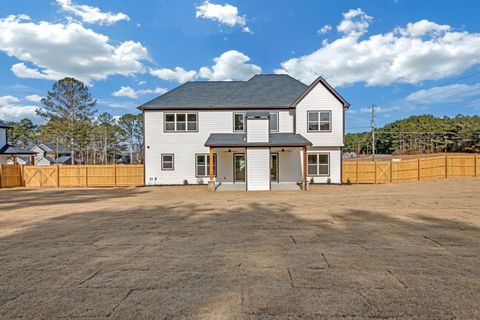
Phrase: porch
x=276 y=165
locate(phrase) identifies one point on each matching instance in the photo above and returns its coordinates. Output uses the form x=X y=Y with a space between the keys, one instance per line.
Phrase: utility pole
x=372 y=123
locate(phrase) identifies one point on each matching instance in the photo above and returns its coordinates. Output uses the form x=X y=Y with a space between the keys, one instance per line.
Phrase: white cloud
x=133 y=94
x=444 y=94
x=230 y=65
x=178 y=74
x=222 y=13
x=420 y=51
x=34 y=98
x=10 y=110
x=84 y=54
x=92 y=14
x=325 y=29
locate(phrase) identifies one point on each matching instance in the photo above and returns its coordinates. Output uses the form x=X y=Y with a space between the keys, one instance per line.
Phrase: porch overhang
x=281 y=139
x=15 y=151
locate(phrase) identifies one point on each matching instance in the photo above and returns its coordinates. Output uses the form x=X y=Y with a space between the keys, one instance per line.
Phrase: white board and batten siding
x=258 y=130
x=258 y=169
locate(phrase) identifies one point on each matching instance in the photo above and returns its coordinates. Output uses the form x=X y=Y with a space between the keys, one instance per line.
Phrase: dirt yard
x=397 y=251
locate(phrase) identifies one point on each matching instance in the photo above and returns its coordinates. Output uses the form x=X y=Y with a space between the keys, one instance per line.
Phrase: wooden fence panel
x=130 y=175
x=405 y=170
x=460 y=166
x=432 y=168
x=101 y=176
x=11 y=176
x=349 y=174
x=72 y=176
x=366 y=171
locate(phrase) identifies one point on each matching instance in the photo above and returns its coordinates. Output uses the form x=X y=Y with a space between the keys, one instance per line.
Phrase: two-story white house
x=270 y=132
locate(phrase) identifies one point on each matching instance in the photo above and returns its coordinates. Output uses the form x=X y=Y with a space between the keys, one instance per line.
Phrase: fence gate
x=32 y=176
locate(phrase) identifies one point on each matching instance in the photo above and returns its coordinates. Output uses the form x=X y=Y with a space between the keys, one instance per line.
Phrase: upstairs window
x=181 y=122
x=202 y=165
x=318 y=164
x=273 y=121
x=238 y=121
x=319 y=121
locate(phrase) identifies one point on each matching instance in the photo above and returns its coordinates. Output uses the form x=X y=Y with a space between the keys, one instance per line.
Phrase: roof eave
x=337 y=95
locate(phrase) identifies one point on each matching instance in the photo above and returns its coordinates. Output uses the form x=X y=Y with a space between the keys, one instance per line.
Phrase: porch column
x=32 y=160
x=211 y=183
x=305 y=168
x=14 y=159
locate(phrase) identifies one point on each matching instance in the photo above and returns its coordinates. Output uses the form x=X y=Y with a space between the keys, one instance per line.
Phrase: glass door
x=274 y=167
x=239 y=167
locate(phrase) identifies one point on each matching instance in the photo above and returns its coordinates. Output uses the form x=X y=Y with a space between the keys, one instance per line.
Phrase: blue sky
x=407 y=57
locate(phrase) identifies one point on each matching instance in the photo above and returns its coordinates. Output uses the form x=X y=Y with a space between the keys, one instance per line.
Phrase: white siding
x=258 y=169
x=290 y=165
x=184 y=146
x=335 y=165
x=3 y=137
x=320 y=99
x=258 y=130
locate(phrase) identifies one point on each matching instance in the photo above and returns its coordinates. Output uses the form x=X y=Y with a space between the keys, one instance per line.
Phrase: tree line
x=420 y=134
x=72 y=122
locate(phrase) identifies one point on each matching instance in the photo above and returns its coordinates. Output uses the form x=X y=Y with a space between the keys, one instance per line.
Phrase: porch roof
x=12 y=150
x=280 y=139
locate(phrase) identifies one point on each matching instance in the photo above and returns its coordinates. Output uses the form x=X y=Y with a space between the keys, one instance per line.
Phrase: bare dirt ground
x=398 y=251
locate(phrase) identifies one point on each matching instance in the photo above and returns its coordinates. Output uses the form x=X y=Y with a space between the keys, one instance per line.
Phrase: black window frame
x=318 y=164
x=206 y=155
x=319 y=121
x=244 y=122
x=162 y=161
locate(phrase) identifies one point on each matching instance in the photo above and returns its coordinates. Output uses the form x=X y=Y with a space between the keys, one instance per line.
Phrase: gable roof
x=337 y=95
x=50 y=147
x=261 y=91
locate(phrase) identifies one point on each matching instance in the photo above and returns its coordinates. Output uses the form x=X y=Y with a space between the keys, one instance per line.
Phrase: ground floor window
x=167 y=161
x=318 y=164
x=202 y=165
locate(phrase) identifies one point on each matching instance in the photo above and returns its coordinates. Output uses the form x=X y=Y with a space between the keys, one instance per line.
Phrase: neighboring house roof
x=62 y=160
x=49 y=147
x=240 y=140
x=4 y=125
x=12 y=150
x=262 y=91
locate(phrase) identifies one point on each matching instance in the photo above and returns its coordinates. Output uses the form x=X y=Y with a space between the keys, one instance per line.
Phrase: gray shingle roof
x=4 y=125
x=239 y=140
x=53 y=147
x=9 y=149
x=261 y=91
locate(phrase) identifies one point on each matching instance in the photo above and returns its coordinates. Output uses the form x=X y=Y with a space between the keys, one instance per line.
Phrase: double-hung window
x=319 y=121
x=181 y=122
x=238 y=121
x=167 y=161
x=318 y=164
x=202 y=165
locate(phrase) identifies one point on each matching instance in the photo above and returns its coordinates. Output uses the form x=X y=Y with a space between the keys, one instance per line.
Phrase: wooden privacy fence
x=409 y=170
x=71 y=176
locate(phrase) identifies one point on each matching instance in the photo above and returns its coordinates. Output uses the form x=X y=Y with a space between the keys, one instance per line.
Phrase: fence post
x=375 y=168
x=391 y=170
x=356 y=173
x=475 y=165
x=446 y=167
x=58 y=176
x=86 y=176
x=1 y=175
x=114 y=174
x=418 y=169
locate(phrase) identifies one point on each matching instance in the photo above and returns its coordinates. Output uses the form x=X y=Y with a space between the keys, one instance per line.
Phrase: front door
x=239 y=167
x=274 y=167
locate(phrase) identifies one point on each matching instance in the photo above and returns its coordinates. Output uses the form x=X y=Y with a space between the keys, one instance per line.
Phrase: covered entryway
x=278 y=164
